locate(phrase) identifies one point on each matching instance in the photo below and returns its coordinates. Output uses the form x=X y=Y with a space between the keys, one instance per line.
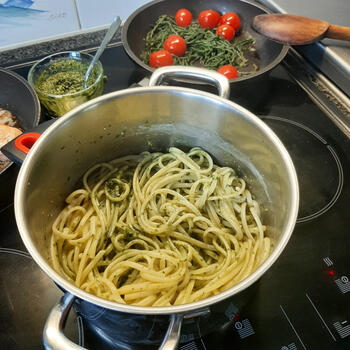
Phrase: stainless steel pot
x=154 y=118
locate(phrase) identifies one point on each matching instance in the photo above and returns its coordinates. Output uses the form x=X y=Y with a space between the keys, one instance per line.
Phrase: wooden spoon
x=297 y=30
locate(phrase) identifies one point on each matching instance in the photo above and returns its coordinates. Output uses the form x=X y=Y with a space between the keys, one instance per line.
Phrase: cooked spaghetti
x=159 y=229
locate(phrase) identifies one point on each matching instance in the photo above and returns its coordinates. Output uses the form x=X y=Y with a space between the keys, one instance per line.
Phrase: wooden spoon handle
x=338 y=32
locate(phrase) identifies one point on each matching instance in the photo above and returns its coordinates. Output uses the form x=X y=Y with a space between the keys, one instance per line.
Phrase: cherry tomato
x=208 y=19
x=231 y=19
x=176 y=45
x=230 y=72
x=226 y=31
x=160 y=59
x=183 y=18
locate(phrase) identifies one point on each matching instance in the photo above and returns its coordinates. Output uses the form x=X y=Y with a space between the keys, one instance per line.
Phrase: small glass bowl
x=57 y=104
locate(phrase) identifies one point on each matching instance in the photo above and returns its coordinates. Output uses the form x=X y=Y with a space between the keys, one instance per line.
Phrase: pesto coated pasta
x=159 y=229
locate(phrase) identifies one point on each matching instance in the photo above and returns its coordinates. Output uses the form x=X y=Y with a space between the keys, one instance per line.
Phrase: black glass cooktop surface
x=302 y=302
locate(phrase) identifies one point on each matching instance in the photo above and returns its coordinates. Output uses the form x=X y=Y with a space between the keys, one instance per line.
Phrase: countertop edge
x=34 y=51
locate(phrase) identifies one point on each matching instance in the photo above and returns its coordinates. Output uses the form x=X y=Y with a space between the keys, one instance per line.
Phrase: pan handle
x=193 y=73
x=18 y=148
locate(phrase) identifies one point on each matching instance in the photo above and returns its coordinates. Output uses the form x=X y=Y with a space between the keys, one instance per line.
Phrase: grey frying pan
x=17 y=96
x=268 y=53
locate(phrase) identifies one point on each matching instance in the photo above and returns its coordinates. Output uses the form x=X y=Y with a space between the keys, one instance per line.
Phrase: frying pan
x=17 y=96
x=139 y=23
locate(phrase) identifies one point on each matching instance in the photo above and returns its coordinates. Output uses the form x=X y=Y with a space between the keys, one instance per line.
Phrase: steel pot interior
x=135 y=120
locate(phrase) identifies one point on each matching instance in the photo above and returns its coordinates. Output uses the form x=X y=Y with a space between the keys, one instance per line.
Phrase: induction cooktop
x=301 y=303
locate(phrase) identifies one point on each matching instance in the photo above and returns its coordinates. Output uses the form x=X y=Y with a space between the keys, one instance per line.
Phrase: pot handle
x=172 y=336
x=53 y=337
x=193 y=73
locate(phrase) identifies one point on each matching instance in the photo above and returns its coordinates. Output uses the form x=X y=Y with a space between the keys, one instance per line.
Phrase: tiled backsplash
x=96 y=13
x=25 y=21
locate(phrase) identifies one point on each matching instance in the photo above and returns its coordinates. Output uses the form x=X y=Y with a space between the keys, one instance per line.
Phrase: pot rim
x=135 y=58
x=19 y=201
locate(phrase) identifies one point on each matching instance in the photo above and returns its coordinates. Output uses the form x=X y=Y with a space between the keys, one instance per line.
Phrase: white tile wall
x=44 y=18
x=40 y=19
x=94 y=13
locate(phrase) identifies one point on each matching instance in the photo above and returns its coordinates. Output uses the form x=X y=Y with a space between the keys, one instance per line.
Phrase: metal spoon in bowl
x=109 y=35
x=297 y=30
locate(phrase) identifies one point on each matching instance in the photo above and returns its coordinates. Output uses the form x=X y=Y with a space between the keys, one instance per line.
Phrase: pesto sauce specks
x=65 y=76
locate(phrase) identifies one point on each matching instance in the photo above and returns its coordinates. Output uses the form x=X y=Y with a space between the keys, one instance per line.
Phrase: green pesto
x=112 y=187
x=64 y=76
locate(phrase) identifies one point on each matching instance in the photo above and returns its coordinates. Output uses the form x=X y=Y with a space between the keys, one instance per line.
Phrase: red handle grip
x=26 y=141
